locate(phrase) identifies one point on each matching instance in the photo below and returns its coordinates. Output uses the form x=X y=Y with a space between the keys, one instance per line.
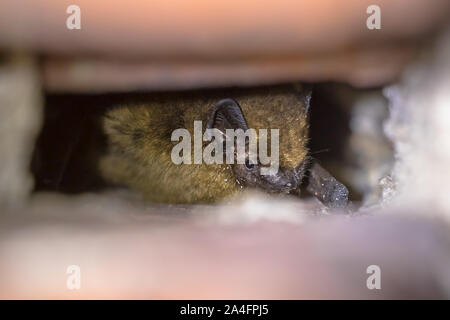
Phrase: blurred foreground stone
x=178 y=44
x=127 y=250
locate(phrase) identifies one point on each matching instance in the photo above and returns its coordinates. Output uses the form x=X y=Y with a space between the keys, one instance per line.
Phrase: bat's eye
x=249 y=165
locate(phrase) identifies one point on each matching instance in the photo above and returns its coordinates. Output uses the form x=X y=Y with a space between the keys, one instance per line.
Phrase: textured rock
x=419 y=127
x=257 y=249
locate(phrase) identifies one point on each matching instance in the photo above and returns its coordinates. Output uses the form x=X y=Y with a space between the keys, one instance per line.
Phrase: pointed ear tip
x=226 y=101
x=227 y=114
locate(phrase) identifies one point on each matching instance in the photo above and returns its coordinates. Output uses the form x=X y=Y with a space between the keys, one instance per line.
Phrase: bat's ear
x=227 y=114
x=304 y=92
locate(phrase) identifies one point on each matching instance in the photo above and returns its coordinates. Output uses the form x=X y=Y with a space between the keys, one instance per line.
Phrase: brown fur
x=139 y=145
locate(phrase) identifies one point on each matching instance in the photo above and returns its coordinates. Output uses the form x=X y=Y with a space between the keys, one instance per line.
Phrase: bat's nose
x=288 y=187
x=281 y=182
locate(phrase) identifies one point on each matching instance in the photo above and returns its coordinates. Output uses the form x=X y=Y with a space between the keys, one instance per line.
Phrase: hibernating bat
x=139 y=146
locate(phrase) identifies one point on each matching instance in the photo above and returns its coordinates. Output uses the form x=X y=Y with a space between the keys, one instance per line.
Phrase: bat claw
x=337 y=197
x=326 y=188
